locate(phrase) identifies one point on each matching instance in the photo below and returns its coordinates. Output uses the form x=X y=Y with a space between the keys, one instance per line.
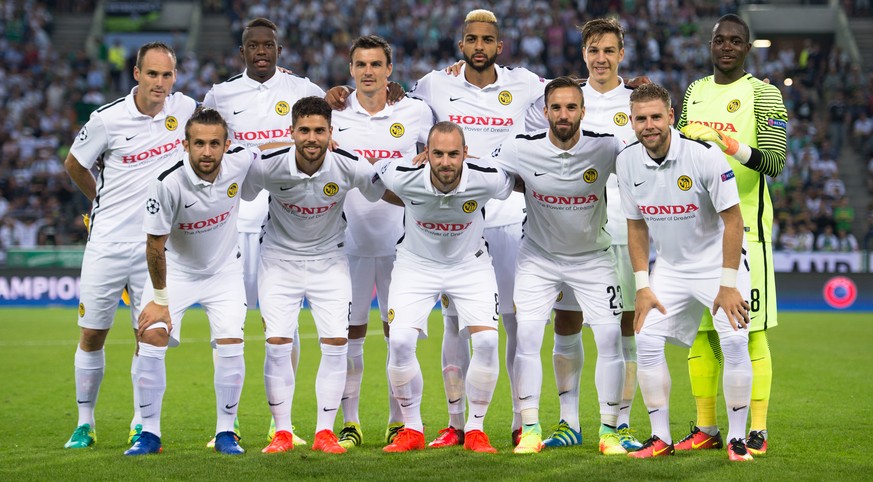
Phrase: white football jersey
x=135 y=148
x=199 y=216
x=305 y=218
x=564 y=190
x=489 y=116
x=374 y=228
x=444 y=227
x=610 y=113
x=680 y=200
x=257 y=113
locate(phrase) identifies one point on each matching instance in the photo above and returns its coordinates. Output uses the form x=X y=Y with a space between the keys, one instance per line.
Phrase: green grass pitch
x=821 y=416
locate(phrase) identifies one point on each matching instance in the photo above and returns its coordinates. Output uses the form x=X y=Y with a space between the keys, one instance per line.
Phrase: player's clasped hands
x=646 y=300
x=731 y=301
x=151 y=314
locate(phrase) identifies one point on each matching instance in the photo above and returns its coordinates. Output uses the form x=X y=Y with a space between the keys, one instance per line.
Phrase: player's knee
x=91 y=339
x=485 y=343
x=650 y=350
x=608 y=340
x=334 y=341
x=530 y=338
x=627 y=323
x=735 y=350
x=357 y=331
x=568 y=322
x=402 y=345
x=156 y=335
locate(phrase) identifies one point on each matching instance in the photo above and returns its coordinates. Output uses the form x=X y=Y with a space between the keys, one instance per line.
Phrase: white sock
x=295 y=352
x=89 y=367
x=329 y=384
x=609 y=371
x=456 y=361
x=529 y=369
x=137 y=416
x=655 y=383
x=151 y=383
x=394 y=414
x=404 y=372
x=737 y=383
x=629 y=352
x=482 y=376
x=279 y=383
x=354 y=373
x=510 y=324
x=230 y=372
x=567 y=358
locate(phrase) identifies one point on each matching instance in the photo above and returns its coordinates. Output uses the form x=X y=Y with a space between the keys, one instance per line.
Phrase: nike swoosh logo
x=525 y=398
x=653 y=411
x=695 y=102
x=83 y=401
x=146 y=405
x=737 y=409
x=344 y=399
x=238 y=111
x=329 y=409
x=452 y=99
x=131 y=137
x=286 y=188
x=693 y=357
x=758 y=359
x=228 y=407
x=610 y=404
x=617 y=313
x=697 y=446
x=478 y=416
x=415 y=203
x=189 y=205
x=343 y=129
x=454 y=401
x=404 y=405
x=275 y=404
x=655 y=453
x=624 y=407
x=561 y=394
x=538 y=174
x=638 y=184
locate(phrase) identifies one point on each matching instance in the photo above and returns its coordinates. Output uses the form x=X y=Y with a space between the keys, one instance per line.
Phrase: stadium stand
x=46 y=96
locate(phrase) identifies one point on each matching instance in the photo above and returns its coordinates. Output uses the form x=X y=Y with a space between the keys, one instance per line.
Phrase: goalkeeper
x=746 y=118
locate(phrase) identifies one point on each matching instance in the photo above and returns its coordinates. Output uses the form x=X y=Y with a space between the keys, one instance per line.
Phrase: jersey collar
x=495 y=85
x=134 y=111
x=356 y=106
x=192 y=176
x=461 y=187
x=608 y=94
x=326 y=166
x=672 y=154
x=254 y=84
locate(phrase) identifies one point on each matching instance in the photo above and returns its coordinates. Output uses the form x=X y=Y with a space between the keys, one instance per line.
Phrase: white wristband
x=161 y=297
x=641 y=278
x=728 y=277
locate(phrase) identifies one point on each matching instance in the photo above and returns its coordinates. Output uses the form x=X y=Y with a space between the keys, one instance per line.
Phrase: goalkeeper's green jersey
x=751 y=112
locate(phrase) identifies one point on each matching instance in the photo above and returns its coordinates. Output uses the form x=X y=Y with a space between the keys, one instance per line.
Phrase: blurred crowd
x=46 y=96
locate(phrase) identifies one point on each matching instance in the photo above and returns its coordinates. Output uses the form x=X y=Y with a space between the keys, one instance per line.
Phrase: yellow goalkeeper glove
x=701 y=132
x=125 y=296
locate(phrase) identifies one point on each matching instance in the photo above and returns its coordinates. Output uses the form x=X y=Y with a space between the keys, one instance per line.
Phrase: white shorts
x=367 y=273
x=106 y=269
x=250 y=248
x=470 y=286
x=503 y=243
x=591 y=280
x=282 y=285
x=625 y=272
x=222 y=296
x=685 y=299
